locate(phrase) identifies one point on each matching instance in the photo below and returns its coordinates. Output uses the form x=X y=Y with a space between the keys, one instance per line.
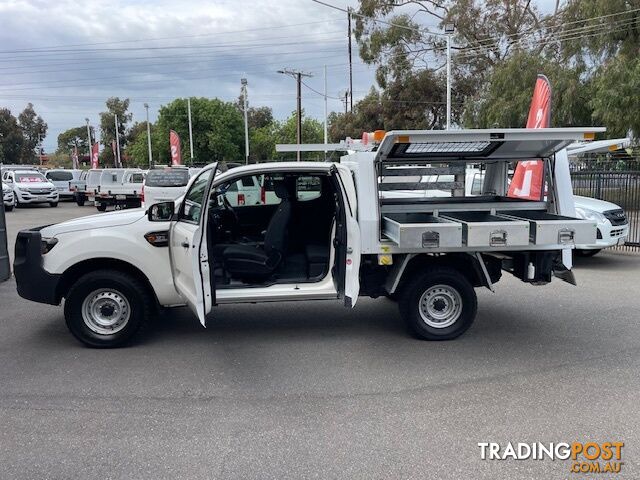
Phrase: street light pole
x=146 y=107
x=245 y=108
x=190 y=129
x=89 y=144
x=298 y=77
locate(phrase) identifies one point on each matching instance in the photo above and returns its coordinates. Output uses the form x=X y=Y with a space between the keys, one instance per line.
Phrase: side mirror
x=161 y=212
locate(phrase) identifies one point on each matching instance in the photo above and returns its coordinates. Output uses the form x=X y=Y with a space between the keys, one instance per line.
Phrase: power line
x=229 y=32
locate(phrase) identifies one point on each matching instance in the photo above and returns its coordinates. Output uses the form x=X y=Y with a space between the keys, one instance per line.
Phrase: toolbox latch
x=498 y=238
x=430 y=239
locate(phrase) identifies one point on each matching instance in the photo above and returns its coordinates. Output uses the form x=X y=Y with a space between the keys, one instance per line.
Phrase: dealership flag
x=95 y=151
x=528 y=179
x=174 y=142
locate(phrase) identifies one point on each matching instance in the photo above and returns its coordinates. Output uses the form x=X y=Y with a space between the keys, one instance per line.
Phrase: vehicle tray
x=549 y=229
x=481 y=229
x=422 y=230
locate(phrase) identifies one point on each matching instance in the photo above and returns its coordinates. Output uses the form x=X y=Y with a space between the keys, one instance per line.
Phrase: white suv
x=30 y=186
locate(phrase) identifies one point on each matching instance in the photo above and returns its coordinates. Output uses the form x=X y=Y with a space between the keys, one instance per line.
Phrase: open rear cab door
x=346 y=267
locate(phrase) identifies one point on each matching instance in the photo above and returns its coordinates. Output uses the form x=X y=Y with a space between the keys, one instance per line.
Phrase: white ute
x=330 y=232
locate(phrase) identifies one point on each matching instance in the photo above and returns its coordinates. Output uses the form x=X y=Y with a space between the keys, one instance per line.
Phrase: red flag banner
x=95 y=152
x=174 y=143
x=528 y=178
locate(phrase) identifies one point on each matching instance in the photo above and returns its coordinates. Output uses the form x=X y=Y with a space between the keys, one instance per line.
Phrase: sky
x=68 y=56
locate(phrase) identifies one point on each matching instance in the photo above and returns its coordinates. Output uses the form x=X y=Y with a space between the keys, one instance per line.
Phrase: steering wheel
x=225 y=220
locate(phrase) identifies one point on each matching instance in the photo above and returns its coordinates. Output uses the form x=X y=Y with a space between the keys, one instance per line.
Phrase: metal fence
x=616 y=180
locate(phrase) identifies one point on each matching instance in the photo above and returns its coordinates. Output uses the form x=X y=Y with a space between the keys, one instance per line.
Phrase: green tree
x=218 y=131
x=506 y=99
x=312 y=132
x=115 y=106
x=615 y=99
x=74 y=137
x=11 y=139
x=34 y=130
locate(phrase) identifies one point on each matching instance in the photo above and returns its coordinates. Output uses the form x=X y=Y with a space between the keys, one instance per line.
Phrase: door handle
x=185 y=244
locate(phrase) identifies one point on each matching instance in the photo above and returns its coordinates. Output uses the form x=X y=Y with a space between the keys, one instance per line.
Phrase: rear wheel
x=107 y=308
x=101 y=207
x=80 y=200
x=438 y=305
x=587 y=253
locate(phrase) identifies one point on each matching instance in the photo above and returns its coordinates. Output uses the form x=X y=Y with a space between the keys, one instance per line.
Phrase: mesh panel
x=449 y=147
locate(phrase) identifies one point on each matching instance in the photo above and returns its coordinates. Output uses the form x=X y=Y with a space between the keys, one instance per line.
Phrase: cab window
x=192 y=205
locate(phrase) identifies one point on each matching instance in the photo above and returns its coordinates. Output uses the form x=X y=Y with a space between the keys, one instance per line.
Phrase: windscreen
x=60 y=176
x=30 y=177
x=172 y=177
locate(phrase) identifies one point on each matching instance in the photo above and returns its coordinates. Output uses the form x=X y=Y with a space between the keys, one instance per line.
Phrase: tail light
x=241 y=199
x=263 y=196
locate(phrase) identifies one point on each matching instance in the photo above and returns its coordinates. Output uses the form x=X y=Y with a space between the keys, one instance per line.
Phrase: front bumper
x=27 y=197
x=32 y=280
x=608 y=236
x=8 y=199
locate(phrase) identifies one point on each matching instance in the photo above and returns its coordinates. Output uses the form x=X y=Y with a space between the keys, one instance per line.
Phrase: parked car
x=92 y=183
x=62 y=179
x=119 y=187
x=8 y=197
x=78 y=188
x=30 y=186
x=613 y=226
x=166 y=184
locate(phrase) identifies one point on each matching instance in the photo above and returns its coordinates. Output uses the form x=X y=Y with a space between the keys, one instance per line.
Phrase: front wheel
x=101 y=207
x=438 y=305
x=8 y=208
x=80 y=200
x=107 y=308
x=53 y=204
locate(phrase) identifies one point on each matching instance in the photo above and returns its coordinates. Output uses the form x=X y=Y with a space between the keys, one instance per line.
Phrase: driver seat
x=255 y=262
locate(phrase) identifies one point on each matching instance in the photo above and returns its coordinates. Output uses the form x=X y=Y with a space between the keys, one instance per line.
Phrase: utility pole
x=350 y=60
x=325 y=111
x=146 y=107
x=89 y=144
x=245 y=108
x=190 y=129
x=118 y=161
x=346 y=101
x=298 y=76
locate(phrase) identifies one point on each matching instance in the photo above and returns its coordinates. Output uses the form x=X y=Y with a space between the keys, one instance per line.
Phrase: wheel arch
x=465 y=264
x=74 y=272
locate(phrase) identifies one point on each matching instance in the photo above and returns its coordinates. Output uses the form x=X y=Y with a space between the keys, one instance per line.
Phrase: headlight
x=23 y=189
x=592 y=215
x=47 y=244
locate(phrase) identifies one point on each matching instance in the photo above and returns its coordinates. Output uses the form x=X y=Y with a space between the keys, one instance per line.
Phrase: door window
x=194 y=199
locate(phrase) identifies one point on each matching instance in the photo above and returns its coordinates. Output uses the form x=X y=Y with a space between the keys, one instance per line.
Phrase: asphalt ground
x=312 y=390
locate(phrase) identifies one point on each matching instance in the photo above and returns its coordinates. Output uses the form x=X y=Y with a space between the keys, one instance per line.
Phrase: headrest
x=280 y=189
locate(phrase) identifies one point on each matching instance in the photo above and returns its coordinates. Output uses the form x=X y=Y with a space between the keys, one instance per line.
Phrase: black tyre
x=107 y=308
x=80 y=200
x=587 y=253
x=8 y=208
x=53 y=204
x=101 y=207
x=438 y=305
